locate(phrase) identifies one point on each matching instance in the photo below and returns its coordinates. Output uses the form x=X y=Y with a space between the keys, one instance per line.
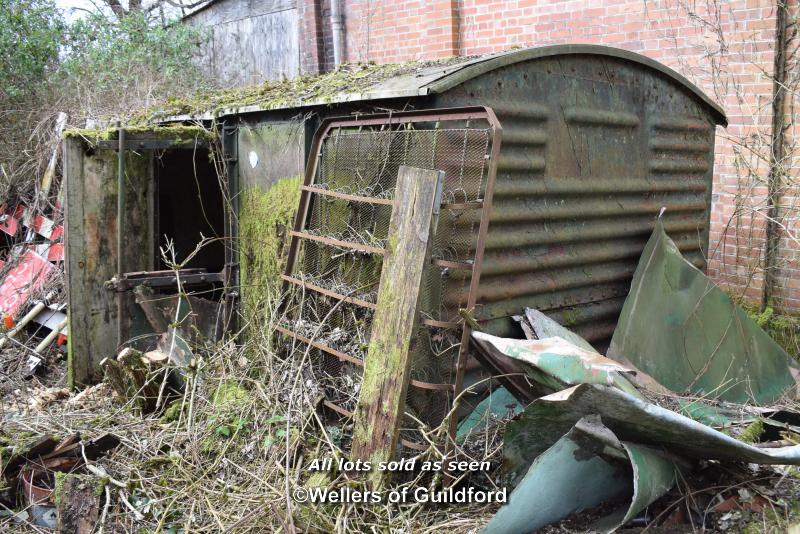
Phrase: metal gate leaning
x=339 y=238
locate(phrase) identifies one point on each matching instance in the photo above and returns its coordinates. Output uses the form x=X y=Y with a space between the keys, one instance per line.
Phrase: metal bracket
x=188 y=277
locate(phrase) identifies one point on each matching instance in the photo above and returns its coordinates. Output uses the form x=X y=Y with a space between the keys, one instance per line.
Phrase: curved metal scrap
x=556 y=363
x=684 y=331
x=631 y=419
x=586 y=467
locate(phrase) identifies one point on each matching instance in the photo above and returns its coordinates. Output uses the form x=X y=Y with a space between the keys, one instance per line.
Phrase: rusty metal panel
x=441 y=76
x=596 y=141
x=593 y=147
x=269 y=152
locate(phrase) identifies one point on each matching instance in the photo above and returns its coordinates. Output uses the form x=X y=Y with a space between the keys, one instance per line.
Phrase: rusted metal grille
x=338 y=242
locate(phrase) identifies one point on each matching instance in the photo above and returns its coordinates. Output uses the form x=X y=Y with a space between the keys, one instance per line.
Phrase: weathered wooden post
x=381 y=403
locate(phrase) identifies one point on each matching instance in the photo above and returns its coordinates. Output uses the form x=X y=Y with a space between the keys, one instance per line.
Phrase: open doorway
x=189 y=205
x=188 y=229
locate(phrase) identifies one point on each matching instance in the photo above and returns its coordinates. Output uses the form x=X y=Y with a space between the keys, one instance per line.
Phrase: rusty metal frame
x=193 y=276
x=308 y=189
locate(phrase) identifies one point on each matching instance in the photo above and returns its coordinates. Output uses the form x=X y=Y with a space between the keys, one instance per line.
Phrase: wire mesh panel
x=340 y=235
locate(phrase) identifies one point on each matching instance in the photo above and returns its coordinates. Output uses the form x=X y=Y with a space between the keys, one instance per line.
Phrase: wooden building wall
x=250 y=40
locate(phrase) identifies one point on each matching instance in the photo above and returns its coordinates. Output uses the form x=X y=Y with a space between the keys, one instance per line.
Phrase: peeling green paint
x=556 y=363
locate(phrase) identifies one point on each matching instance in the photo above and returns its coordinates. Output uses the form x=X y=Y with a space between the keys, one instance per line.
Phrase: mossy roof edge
x=177 y=132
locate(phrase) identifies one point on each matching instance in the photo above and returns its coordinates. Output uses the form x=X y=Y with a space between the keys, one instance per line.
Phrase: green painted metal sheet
x=684 y=331
x=500 y=403
x=545 y=327
x=631 y=419
x=586 y=467
x=269 y=152
x=557 y=363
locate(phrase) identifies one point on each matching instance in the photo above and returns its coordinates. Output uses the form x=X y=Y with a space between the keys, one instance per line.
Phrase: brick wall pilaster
x=441 y=38
x=312 y=58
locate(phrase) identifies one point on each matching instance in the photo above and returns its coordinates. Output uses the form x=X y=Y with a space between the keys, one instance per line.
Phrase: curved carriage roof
x=440 y=77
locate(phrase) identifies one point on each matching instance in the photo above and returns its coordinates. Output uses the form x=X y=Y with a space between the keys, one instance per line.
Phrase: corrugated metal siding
x=593 y=147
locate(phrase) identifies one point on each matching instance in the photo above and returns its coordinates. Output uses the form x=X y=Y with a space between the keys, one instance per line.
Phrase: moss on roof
x=298 y=91
x=178 y=133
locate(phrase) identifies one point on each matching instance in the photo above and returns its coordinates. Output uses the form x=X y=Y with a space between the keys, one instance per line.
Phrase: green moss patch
x=265 y=218
x=784 y=329
x=303 y=90
x=229 y=394
x=181 y=134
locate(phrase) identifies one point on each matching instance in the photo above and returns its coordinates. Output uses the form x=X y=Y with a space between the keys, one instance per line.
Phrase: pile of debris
x=689 y=382
x=591 y=441
x=47 y=473
x=32 y=296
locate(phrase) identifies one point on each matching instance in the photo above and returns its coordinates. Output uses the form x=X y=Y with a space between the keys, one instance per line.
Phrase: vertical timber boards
x=138 y=251
x=381 y=404
x=91 y=256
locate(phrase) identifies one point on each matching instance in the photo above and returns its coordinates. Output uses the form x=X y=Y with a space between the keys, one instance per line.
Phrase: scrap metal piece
x=32 y=365
x=544 y=327
x=631 y=419
x=525 y=356
x=44 y=516
x=583 y=469
x=684 y=331
x=182 y=277
x=26 y=277
x=556 y=363
x=499 y=403
x=51 y=316
x=509 y=372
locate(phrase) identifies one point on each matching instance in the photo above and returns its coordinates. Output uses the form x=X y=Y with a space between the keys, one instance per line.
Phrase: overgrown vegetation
x=29 y=42
x=114 y=68
x=30 y=36
x=96 y=69
x=784 y=329
x=225 y=455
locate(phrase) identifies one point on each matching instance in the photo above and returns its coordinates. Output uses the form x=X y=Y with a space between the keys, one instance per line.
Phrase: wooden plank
x=243 y=50
x=78 y=504
x=230 y=10
x=381 y=404
x=90 y=215
x=138 y=239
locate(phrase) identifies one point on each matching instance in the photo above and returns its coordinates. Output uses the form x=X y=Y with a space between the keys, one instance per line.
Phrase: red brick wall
x=726 y=48
x=310 y=25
